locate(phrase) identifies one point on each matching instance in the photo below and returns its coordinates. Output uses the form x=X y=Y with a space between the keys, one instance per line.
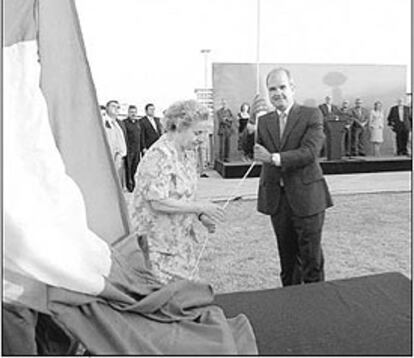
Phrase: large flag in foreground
x=61 y=191
x=64 y=207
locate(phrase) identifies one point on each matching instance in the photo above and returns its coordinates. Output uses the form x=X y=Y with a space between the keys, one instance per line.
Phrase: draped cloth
x=135 y=315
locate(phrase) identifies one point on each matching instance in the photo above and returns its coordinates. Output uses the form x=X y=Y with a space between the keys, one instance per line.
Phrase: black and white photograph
x=207 y=178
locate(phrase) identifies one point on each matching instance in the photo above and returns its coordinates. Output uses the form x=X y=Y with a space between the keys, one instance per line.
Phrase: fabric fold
x=135 y=314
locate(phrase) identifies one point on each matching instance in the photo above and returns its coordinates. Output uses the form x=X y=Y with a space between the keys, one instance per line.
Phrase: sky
x=144 y=51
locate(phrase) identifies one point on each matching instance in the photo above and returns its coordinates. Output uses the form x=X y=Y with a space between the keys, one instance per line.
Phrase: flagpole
x=255 y=134
x=258 y=17
x=257 y=46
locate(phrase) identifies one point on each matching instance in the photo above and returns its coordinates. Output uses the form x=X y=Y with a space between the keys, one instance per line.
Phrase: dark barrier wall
x=237 y=84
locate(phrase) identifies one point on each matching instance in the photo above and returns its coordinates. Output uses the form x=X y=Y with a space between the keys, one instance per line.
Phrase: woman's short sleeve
x=156 y=176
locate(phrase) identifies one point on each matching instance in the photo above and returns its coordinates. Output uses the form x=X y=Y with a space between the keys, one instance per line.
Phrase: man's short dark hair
x=279 y=69
x=102 y=107
x=148 y=106
x=132 y=107
x=111 y=101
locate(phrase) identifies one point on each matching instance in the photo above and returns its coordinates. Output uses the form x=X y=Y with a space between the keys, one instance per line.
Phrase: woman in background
x=376 y=127
x=247 y=132
x=164 y=206
x=243 y=117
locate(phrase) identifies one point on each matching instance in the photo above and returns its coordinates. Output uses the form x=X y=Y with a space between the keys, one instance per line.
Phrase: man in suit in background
x=292 y=189
x=151 y=128
x=225 y=121
x=400 y=120
x=133 y=139
x=329 y=112
x=345 y=116
x=359 y=128
x=121 y=122
x=116 y=139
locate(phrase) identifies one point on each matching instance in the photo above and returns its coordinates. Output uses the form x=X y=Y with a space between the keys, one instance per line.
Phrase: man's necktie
x=282 y=123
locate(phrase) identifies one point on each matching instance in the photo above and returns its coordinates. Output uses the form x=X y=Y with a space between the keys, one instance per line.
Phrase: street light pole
x=205 y=52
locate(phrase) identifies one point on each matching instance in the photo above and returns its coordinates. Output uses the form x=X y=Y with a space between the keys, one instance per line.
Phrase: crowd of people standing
x=129 y=138
x=363 y=126
x=245 y=124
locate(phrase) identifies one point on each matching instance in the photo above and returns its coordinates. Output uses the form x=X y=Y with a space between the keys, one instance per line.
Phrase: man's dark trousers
x=401 y=136
x=132 y=161
x=298 y=235
x=224 y=147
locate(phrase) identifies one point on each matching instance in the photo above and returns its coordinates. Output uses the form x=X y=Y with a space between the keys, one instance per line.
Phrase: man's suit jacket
x=148 y=134
x=394 y=119
x=345 y=115
x=133 y=135
x=359 y=118
x=225 y=121
x=335 y=111
x=304 y=184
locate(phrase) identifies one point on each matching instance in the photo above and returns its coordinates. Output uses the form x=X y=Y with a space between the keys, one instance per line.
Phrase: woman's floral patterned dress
x=167 y=238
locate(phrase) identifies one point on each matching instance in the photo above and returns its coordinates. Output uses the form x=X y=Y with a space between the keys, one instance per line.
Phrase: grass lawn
x=363 y=234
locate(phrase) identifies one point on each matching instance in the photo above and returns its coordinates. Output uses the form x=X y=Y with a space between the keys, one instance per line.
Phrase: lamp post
x=205 y=52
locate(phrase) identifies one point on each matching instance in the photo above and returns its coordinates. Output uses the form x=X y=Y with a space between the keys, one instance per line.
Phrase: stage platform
x=351 y=165
x=360 y=316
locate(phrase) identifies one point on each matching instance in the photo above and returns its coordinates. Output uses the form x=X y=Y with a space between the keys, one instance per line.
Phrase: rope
x=232 y=196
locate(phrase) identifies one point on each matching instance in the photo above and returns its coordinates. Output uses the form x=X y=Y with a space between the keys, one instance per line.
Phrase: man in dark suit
x=121 y=122
x=133 y=140
x=400 y=121
x=225 y=121
x=292 y=189
x=329 y=112
x=359 y=128
x=345 y=115
x=151 y=128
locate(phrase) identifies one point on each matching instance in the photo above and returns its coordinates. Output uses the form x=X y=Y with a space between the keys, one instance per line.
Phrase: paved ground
x=216 y=188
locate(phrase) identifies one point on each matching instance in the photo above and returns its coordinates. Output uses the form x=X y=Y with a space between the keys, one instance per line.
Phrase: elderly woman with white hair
x=164 y=205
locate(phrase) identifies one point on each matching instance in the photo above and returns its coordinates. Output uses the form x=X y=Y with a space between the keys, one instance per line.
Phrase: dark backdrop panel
x=236 y=82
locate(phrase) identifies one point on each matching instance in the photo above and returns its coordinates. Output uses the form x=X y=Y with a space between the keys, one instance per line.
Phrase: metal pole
x=205 y=52
x=258 y=15
x=257 y=46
